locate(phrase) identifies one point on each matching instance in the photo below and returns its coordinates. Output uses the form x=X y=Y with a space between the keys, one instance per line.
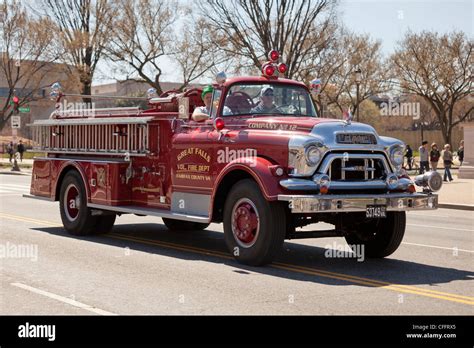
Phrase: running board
x=41 y=198
x=130 y=209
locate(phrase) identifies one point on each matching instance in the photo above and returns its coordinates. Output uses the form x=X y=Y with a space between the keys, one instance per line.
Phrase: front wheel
x=254 y=228
x=380 y=237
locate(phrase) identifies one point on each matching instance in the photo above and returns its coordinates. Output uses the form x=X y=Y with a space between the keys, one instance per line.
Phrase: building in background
x=40 y=106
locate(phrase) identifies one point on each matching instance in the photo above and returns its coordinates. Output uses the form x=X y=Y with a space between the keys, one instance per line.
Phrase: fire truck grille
x=356 y=169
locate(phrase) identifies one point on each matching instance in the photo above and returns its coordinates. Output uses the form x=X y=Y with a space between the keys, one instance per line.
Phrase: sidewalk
x=458 y=191
x=26 y=167
x=28 y=162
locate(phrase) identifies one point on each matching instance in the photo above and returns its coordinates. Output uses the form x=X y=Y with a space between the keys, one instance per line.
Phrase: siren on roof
x=272 y=68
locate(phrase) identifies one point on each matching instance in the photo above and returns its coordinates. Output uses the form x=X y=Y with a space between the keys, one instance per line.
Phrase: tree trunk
x=87 y=90
x=157 y=86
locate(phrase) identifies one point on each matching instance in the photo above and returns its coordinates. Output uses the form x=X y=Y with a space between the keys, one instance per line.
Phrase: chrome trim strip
x=299 y=184
x=358 y=203
x=190 y=203
x=91 y=121
x=152 y=212
x=324 y=167
x=83 y=159
x=91 y=153
x=309 y=185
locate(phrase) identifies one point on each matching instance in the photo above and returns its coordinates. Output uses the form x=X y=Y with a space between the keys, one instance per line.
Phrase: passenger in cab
x=266 y=104
x=202 y=113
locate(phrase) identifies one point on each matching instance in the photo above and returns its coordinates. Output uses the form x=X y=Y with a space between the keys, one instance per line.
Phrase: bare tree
x=148 y=35
x=357 y=52
x=25 y=45
x=197 y=55
x=249 y=29
x=439 y=69
x=83 y=27
x=143 y=34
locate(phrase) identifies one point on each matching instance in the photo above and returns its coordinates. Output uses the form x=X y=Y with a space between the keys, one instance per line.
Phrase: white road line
x=439 y=247
x=63 y=299
x=444 y=228
x=430 y=215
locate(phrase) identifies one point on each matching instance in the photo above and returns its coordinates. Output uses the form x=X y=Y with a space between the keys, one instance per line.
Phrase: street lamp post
x=358 y=80
x=15 y=167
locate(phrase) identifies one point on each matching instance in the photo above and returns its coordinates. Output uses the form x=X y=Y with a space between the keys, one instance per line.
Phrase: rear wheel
x=254 y=228
x=75 y=215
x=178 y=225
x=380 y=237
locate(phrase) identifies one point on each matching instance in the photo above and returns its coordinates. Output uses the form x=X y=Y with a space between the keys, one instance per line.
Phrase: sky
x=388 y=20
x=385 y=20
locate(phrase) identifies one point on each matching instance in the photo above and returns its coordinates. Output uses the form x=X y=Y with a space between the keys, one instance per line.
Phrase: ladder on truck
x=101 y=131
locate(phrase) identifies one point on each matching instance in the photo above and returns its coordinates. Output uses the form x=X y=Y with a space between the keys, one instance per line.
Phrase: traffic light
x=16 y=104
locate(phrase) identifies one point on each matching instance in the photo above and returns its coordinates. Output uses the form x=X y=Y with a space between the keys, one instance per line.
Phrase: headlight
x=396 y=156
x=313 y=155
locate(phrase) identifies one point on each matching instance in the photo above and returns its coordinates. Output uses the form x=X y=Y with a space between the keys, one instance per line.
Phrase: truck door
x=193 y=166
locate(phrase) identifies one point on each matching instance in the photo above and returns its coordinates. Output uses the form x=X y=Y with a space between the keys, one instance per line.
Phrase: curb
x=469 y=207
x=9 y=172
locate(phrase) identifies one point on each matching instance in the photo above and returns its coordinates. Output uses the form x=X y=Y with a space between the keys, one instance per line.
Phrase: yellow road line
x=376 y=282
x=27 y=219
x=322 y=273
x=288 y=267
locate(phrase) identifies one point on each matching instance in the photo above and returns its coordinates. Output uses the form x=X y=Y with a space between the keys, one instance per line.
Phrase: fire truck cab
x=263 y=164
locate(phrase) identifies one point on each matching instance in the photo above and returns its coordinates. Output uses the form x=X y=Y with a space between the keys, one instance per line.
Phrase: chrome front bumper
x=358 y=203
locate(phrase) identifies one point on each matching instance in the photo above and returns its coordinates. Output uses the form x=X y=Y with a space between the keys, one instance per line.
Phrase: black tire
x=77 y=219
x=104 y=224
x=268 y=237
x=179 y=225
x=380 y=237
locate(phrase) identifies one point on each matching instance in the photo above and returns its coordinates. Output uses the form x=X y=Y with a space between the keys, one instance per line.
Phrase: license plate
x=376 y=211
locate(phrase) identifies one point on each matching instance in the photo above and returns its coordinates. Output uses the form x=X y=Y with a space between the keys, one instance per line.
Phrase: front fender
x=258 y=168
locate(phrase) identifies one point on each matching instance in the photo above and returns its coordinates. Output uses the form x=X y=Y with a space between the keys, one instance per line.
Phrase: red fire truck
x=263 y=164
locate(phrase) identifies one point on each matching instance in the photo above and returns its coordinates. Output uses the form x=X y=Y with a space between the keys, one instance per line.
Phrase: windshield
x=281 y=99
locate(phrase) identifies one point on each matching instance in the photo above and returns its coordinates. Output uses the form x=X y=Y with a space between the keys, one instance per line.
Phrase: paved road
x=142 y=268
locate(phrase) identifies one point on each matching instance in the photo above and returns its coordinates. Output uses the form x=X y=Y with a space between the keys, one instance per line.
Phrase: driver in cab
x=266 y=104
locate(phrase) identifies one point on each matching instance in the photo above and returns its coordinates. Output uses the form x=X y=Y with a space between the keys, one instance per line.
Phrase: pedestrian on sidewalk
x=409 y=156
x=424 y=157
x=20 y=149
x=461 y=152
x=434 y=156
x=448 y=161
x=10 y=151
